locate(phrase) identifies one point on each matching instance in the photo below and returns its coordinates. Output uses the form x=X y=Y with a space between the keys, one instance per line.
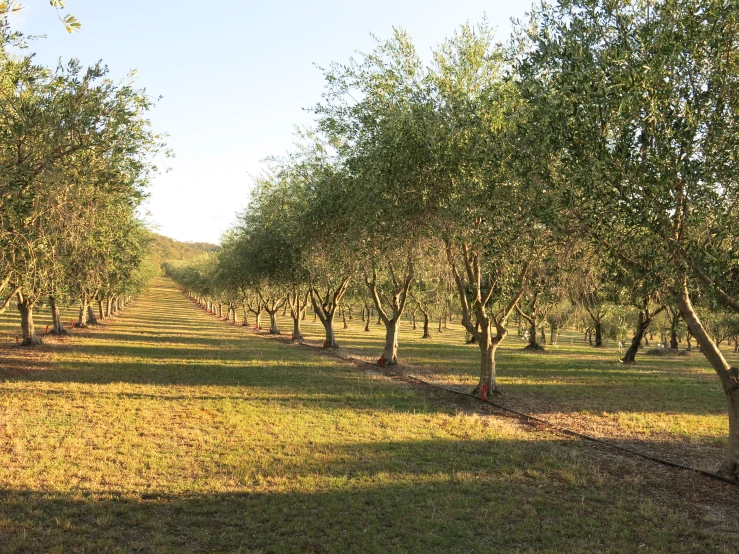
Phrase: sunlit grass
x=170 y=431
x=658 y=399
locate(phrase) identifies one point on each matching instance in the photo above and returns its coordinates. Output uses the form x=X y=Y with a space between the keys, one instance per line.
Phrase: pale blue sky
x=235 y=77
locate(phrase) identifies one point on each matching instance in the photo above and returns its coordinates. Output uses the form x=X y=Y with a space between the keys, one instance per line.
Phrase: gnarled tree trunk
x=57 y=327
x=728 y=375
x=25 y=307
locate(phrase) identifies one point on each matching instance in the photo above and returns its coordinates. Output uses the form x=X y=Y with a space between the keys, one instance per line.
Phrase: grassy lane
x=169 y=431
x=671 y=407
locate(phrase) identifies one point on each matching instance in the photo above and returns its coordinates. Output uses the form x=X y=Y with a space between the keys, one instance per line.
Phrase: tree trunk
x=390 y=353
x=413 y=320
x=488 y=347
x=328 y=325
x=598 y=334
x=729 y=381
x=643 y=323
x=426 y=334
x=689 y=336
x=101 y=310
x=90 y=314
x=109 y=307
x=273 y=328
x=543 y=336
x=367 y=323
x=343 y=317
x=533 y=336
x=27 y=329
x=440 y=322
x=245 y=323
x=297 y=334
x=82 y=320
x=553 y=334
x=57 y=327
x=363 y=318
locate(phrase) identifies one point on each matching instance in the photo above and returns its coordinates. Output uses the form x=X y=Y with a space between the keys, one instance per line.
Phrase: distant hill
x=163 y=249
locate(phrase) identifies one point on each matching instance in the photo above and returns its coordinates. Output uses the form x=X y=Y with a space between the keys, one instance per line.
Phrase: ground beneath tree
x=167 y=430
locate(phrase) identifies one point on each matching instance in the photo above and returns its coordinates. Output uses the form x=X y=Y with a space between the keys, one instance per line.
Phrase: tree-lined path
x=168 y=430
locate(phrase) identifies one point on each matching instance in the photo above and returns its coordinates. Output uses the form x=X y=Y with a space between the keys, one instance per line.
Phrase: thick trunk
x=598 y=334
x=390 y=353
x=101 y=310
x=27 y=329
x=488 y=347
x=426 y=334
x=109 y=307
x=644 y=321
x=57 y=328
x=533 y=336
x=90 y=314
x=328 y=325
x=273 y=328
x=297 y=334
x=729 y=381
x=245 y=323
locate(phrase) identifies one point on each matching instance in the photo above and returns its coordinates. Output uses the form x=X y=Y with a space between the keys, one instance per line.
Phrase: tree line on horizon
x=591 y=159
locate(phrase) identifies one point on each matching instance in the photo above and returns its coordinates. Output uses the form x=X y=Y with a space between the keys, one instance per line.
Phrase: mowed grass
x=167 y=430
x=668 y=406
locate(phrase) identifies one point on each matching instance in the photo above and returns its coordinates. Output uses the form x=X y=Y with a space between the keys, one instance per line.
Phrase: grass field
x=167 y=430
x=672 y=407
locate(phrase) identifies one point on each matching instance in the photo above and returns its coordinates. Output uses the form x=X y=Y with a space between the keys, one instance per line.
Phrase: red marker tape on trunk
x=17 y=341
x=47 y=330
x=484 y=392
x=381 y=361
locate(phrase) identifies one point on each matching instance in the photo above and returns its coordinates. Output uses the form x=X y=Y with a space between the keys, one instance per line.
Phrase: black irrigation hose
x=560 y=430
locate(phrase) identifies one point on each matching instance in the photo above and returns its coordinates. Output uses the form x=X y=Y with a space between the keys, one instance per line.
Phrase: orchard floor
x=166 y=430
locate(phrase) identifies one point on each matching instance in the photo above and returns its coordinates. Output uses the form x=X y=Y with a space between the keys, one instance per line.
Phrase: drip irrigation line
x=533 y=419
x=561 y=430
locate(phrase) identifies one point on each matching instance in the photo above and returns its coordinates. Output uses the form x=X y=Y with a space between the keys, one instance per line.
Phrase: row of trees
x=596 y=152
x=75 y=151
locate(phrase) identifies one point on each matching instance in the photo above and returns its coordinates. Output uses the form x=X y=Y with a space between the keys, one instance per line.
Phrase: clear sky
x=235 y=78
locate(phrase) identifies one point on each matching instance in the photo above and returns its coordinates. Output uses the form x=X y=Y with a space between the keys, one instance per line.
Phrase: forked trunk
x=27 y=329
x=729 y=381
x=57 y=328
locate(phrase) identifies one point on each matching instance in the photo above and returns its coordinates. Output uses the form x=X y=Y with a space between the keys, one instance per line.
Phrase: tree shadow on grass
x=425 y=496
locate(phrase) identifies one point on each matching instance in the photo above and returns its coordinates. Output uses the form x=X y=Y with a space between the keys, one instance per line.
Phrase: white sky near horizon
x=234 y=78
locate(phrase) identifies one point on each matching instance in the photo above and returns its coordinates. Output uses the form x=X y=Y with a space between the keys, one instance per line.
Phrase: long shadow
x=444 y=496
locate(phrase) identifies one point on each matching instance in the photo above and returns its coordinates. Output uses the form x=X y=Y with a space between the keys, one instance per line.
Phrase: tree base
x=32 y=341
x=59 y=332
x=534 y=348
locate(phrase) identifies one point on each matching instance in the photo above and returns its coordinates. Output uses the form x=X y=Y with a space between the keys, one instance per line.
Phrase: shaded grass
x=193 y=435
x=677 y=400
